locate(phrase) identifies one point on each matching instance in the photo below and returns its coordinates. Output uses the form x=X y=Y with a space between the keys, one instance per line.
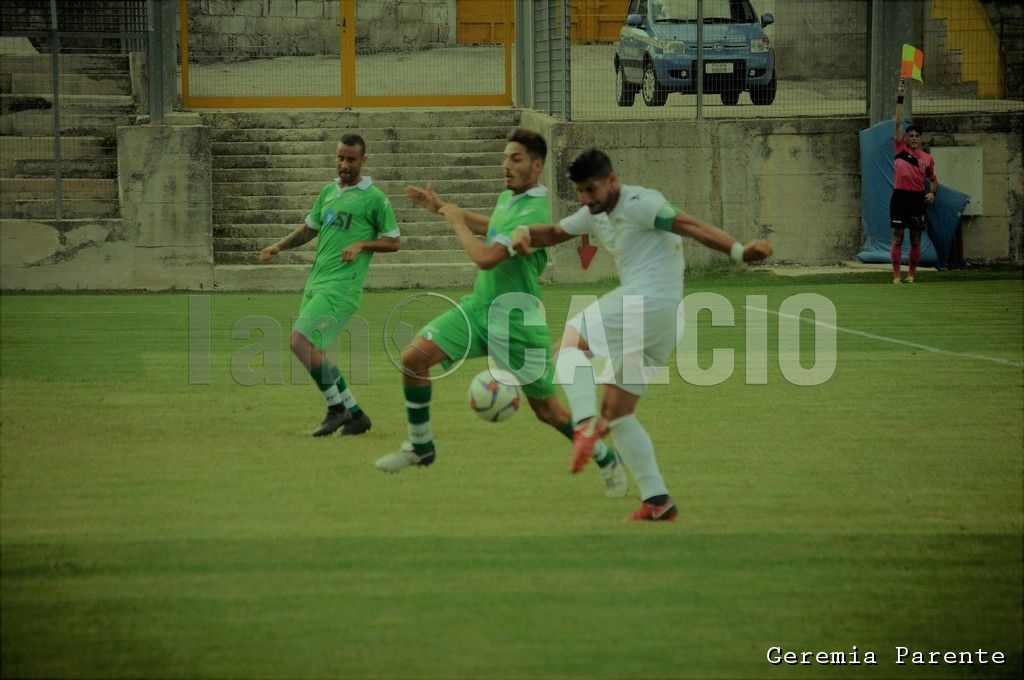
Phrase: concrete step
x=327 y=148
x=373 y=136
x=80 y=157
x=453 y=162
x=40 y=123
x=269 y=166
x=314 y=171
x=306 y=257
x=72 y=84
x=292 y=211
x=67 y=63
x=42 y=147
x=409 y=243
x=273 y=232
x=69 y=103
x=104 y=167
x=298 y=178
x=380 y=276
x=14 y=188
x=46 y=209
x=360 y=121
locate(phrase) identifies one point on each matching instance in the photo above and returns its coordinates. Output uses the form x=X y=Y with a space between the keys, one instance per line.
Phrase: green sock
x=325 y=376
x=417 y=413
x=603 y=454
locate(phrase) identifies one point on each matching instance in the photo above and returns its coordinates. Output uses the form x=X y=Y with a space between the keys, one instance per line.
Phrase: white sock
x=348 y=399
x=637 y=452
x=575 y=373
x=600 y=452
x=420 y=433
x=333 y=396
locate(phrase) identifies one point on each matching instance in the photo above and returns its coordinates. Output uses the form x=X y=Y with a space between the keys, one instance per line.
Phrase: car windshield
x=715 y=11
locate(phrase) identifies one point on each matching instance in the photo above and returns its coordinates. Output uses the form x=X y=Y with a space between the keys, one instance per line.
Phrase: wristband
x=736 y=252
x=899 y=100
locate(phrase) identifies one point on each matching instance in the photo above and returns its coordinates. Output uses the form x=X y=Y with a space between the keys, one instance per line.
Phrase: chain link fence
x=756 y=58
x=344 y=53
x=821 y=54
x=71 y=72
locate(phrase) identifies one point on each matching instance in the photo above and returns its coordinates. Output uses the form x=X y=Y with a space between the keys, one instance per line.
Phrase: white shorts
x=634 y=333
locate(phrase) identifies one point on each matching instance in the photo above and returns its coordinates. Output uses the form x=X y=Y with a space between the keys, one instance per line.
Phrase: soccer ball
x=494 y=395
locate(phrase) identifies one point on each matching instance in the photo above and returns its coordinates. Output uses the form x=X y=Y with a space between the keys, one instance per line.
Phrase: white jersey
x=649 y=260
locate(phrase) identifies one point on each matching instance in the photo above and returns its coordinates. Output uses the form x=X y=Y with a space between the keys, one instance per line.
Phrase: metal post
x=700 y=59
x=154 y=59
x=55 y=85
x=525 y=50
x=892 y=24
x=566 y=59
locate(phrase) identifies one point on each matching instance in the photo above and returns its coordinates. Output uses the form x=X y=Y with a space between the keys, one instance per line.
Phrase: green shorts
x=323 y=315
x=466 y=332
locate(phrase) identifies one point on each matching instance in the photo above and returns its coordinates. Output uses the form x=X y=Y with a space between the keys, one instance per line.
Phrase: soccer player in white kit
x=635 y=325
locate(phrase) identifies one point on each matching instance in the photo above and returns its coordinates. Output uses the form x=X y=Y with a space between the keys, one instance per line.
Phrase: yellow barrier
x=969 y=31
x=384 y=80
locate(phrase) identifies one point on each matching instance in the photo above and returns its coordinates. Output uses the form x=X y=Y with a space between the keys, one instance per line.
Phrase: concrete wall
x=824 y=38
x=233 y=30
x=163 y=240
x=794 y=181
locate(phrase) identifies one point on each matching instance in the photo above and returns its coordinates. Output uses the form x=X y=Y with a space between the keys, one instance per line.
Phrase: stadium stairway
x=268 y=168
x=95 y=98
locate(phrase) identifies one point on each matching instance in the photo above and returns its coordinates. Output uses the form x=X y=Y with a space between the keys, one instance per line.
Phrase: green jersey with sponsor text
x=515 y=274
x=343 y=216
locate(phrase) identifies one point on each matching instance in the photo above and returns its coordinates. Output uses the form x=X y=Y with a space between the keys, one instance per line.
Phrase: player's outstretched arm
x=539 y=236
x=426 y=198
x=384 y=244
x=712 y=237
x=483 y=255
x=295 y=239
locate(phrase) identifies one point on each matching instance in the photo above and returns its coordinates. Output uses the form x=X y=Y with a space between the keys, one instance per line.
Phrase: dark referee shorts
x=906 y=210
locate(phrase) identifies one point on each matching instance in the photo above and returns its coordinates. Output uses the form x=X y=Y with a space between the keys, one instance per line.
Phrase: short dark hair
x=531 y=140
x=589 y=164
x=352 y=139
x=913 y=128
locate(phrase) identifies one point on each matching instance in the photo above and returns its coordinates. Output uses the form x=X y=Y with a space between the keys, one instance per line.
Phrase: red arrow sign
x=586 y=252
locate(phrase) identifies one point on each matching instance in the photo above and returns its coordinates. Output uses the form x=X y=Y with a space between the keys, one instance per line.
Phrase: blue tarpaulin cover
x=876 y=172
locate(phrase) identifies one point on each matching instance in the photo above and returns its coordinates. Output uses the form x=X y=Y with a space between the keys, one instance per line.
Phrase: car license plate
x=718 y=67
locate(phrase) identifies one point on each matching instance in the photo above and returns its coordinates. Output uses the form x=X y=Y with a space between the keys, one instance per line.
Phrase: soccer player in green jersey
x=503 y=316
x=353 y=219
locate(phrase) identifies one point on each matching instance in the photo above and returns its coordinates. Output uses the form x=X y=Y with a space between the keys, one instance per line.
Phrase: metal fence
x=66 y=84
x=822 y=58
x=756 y=58
x=341 y=53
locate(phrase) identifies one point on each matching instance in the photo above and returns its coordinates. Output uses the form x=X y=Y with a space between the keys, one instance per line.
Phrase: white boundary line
x=895 y=341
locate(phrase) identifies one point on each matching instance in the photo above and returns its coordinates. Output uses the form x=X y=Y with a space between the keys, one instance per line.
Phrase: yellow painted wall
x=593 y=21
x=969 y=31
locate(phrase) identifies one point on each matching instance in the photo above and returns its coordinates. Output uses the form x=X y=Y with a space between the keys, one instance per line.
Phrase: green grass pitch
x=162 y=517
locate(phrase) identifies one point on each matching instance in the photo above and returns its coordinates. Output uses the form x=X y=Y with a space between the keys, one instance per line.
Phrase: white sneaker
x=402 y=458
x=616 y=485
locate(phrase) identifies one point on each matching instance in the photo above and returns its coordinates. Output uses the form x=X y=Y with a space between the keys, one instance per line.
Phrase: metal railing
x=41 y=40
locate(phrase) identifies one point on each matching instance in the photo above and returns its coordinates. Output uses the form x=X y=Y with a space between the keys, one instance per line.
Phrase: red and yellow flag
x=913 y=62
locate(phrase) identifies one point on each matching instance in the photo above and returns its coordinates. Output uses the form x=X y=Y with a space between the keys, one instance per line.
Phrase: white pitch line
x=896 y=341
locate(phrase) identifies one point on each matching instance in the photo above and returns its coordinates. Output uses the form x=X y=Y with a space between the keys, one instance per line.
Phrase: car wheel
x=730 y=97
x=625 y=90
x=654 y=94
x=764 y=95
